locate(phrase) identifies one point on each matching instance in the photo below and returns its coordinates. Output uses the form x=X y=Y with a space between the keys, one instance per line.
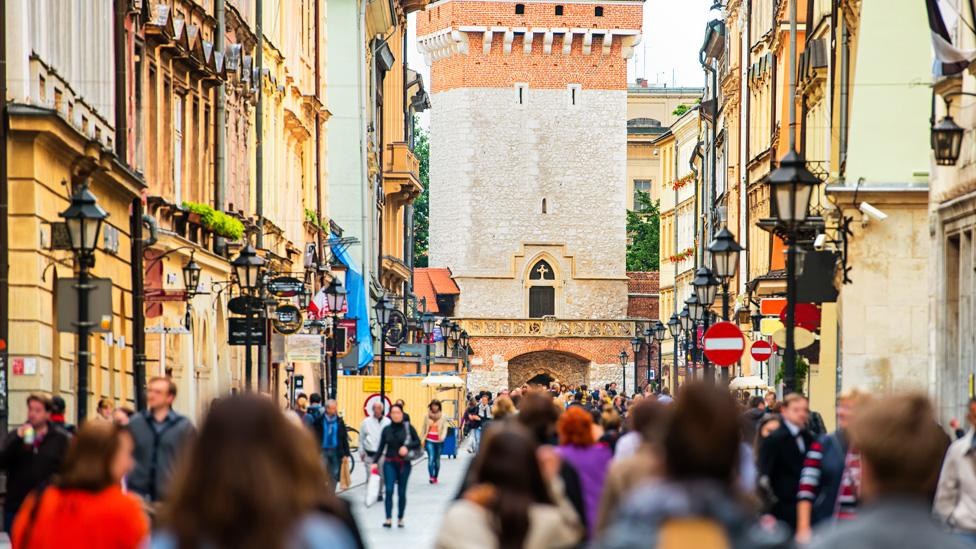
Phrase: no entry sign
x=761 y=351
x=724 y=344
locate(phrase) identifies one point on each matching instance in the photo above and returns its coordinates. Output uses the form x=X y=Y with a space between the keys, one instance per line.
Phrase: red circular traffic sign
x=807 y=316
x=373 y=398
x=761 y=351
x=724 y=344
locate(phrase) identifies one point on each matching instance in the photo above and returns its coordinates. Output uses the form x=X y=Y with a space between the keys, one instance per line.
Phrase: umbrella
x=443 y=381
x=748 y=382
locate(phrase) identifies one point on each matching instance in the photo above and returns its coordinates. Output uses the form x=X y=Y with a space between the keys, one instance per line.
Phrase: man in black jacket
x=331 y=434
x=781 y=458
x=31 y=453
x=161 y=436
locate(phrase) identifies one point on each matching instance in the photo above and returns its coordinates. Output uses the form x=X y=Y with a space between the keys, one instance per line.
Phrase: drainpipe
x=4 y=229
x=220 y=124
x=744 y=113
x=121 y=97
x=138 y=305
x=259 y=175
x=318 y=130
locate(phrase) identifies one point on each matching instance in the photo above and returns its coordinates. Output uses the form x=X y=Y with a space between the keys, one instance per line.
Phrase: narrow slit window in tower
x=598 y=11
x=519 y=9
x=559 y=10
x=543 y=205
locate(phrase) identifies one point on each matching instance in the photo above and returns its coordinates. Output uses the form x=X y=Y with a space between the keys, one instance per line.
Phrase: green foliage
x=802 y=368
x=218 y=222
x=314 y=220
x=644 y=235
x=681 y=109
x=421 y=205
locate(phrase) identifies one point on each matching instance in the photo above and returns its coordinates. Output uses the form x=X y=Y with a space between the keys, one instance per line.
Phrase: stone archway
x=564 y=367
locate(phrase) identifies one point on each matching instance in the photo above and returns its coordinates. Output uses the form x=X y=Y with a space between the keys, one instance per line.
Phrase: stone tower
x=527 y=179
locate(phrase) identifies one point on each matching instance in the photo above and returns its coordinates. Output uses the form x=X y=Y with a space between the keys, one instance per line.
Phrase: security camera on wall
x=869 y=210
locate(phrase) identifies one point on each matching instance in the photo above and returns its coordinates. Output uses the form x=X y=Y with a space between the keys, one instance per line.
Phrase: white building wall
x=494 y=161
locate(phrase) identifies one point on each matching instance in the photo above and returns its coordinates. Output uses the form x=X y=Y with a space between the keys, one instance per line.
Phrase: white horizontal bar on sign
x=724 y=344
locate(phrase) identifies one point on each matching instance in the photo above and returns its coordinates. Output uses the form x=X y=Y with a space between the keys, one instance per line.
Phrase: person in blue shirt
x=330 y=432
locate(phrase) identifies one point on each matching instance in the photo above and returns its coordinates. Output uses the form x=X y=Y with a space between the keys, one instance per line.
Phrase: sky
x=668 y=52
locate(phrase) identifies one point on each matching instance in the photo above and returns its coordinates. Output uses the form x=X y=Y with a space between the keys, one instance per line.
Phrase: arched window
x=559 y=10
x=542 y=290
x=519 y=9
x=598 y=11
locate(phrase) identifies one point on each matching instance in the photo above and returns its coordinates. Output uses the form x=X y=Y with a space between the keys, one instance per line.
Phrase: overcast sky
x=668 y=53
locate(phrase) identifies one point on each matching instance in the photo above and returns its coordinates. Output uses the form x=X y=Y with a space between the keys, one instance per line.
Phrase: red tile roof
x=430 y=282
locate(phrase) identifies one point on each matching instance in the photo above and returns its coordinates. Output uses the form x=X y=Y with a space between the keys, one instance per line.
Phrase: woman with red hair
x=579 y=447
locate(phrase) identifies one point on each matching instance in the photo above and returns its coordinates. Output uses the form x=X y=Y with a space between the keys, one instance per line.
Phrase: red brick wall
x=598 y=350
x=537 y=69
x=640 y=305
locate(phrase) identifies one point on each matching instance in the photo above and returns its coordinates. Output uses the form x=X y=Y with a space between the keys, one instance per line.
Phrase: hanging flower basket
x=682 y=255
x=682 y=182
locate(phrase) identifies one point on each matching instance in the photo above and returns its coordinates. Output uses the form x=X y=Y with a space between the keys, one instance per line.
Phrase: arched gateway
x=562 y=367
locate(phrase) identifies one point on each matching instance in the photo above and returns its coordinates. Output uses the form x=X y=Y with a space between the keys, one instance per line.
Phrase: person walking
x=578 y=446
x=403 y=406
x=830 y=483
x=31 y=454
x=85 y=506
x=396 y=442
x=515 y=498
x=955 y=497
x=160 y=436
x=105 y=407
x=901 y=448
x=781 y=457
x=471 y=423
x=484 y=418
x=253 y=480
x=697 y=503
x=434 y=431
x=369 y=436
x=331 y=432
x=503 y=408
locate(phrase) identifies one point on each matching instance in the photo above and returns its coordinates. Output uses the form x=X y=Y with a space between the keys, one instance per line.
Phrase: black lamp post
x=706 y=287
x=947 y=141
x=445 y=326
x=674 y=326
x=191 y=277
x=725 y=262
x=248 y=266
x=648 y=340
x=427 y=323
x=383 y=308
x=464 y=346
x=84 y=218
x=660 y=332
x=791 y=185
x=623 y=371
x=686 y=324
x=335 y=298
x=636 y=344
x=455 y=336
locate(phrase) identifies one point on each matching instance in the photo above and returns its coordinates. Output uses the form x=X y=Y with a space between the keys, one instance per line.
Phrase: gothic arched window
x=542 y=290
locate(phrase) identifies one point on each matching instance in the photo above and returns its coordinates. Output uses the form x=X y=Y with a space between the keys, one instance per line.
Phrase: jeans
x=396 y=473
x=969 y=537
x=433 y=457
x=333 y=464
x=476 y=439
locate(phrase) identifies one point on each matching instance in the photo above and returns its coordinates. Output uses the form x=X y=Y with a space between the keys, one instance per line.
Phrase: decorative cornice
x=454 y=41
x=548 y=327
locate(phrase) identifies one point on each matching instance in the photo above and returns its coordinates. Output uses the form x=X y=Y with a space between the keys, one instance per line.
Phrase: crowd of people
x=552 y=467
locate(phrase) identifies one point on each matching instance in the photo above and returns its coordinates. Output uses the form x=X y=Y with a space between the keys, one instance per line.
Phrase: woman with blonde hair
x=253 y=481
x=503 y=408
x=86 y=507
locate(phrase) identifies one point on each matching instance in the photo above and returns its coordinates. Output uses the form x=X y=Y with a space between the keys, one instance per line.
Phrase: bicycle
x=352 y=448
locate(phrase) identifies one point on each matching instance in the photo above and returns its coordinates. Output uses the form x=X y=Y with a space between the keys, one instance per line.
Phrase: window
x=178 y=149
x=542 y=301
x=559 y=10
x=519 y=9
x=542 y=271
x=574 y=93
x=641 y=186
x=598 y=11
x=543 y=205
x=521 y=90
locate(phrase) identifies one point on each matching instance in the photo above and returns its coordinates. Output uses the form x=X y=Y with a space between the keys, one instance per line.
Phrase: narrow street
x=426 y=504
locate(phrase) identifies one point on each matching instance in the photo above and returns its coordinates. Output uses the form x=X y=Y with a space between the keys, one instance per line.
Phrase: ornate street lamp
x=725 y=253
x=706 y=286
x=191 y=277
x=248 y=266
x=304 y=297
x=685 y=319
x=383 y=309
x=445 y=326
x=636 y=343
x=335 y=300
x=674 y=326
x=791 y=185
x=84 y=218
x=465 y=339
x=696 y=310
x=660 y=331
x=427 y=324
x=455 y=335
x=947 y=141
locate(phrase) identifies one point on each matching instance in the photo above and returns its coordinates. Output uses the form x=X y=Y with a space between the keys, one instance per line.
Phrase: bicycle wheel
x=352 y=448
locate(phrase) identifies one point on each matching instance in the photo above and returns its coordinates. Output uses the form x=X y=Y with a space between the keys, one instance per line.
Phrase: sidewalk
x=426 y=504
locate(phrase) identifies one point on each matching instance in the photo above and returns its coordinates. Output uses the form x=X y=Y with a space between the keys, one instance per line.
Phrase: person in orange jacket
x=86 y=506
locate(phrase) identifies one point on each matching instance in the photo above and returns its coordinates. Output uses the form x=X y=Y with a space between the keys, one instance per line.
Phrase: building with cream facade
x=515 y=88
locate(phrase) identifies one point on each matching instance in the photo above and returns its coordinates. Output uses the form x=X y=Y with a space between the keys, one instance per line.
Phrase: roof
x=429 y=283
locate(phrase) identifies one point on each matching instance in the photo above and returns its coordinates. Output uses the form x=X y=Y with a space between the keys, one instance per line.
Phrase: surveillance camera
x=820 y=242
x=870 y=210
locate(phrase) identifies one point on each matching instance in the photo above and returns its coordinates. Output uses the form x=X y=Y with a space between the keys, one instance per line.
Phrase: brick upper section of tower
x=545 y=45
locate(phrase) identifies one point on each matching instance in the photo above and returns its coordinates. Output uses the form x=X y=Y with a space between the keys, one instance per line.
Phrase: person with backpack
x=330 y=432
x=160 y=437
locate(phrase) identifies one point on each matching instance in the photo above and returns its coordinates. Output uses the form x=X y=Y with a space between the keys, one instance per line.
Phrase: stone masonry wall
x=494 y=161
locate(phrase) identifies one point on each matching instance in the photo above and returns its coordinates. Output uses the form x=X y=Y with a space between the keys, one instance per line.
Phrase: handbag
x=373 y=485
x=413 y=454
x=344 y=477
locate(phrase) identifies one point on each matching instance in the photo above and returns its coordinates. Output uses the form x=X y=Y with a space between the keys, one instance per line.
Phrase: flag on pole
x=943 y=20
x=318 y=308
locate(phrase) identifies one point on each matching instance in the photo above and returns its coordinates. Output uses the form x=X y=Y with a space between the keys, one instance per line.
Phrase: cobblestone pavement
x=426 y=504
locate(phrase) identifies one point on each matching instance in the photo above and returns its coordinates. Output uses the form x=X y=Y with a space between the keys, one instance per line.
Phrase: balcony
x=401 y=173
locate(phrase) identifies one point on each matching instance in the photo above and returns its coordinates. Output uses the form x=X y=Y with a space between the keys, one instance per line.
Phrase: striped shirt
x=850 y=484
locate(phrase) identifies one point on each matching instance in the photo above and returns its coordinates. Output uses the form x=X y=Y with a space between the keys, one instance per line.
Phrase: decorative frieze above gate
x=547 y=327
